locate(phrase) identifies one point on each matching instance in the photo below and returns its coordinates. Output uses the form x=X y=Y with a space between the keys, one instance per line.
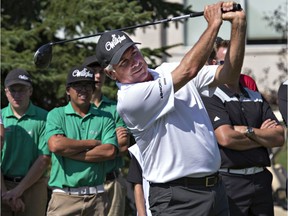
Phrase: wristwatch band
x=249 y=131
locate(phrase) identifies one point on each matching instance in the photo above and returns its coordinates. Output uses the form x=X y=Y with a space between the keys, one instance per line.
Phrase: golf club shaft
x=135 y=26
x=236 y=7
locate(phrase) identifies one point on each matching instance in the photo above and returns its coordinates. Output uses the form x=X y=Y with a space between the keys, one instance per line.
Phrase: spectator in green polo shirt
x=115 y=184
x=80 y=138
x=25 y=154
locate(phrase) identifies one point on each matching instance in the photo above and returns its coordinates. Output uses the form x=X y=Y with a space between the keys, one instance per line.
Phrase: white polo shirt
x=173 y=130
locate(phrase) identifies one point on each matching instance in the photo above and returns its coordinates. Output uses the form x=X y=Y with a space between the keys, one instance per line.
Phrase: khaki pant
x=116 y=191
x=34 y=198
x=62 y=204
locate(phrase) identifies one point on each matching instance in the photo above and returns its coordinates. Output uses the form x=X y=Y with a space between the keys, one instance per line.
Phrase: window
x=258 y=31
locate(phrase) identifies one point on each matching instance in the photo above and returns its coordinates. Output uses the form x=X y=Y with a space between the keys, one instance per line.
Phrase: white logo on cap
x=83 y=73
x=115 y=40
x=23 y=77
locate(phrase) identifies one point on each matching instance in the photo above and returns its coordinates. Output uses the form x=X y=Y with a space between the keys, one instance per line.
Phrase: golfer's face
x=132 y=67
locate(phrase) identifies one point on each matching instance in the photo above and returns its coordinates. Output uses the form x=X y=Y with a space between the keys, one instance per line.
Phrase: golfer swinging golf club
x=165 y=113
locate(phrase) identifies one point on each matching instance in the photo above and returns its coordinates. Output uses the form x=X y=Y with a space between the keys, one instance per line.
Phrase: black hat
x=91 y=61
x=80 y=73
x=111 y=47
x=18 y=76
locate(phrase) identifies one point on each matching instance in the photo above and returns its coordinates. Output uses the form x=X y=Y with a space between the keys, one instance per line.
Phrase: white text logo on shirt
x=94 y=132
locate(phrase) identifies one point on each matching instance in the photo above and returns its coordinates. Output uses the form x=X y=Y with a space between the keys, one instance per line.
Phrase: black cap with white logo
x=18 y=76
x=91 y=61
x=80 y=73
x=111 y=47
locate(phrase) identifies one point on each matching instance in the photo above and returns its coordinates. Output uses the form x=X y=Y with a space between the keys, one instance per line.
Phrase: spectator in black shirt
x=245 y=128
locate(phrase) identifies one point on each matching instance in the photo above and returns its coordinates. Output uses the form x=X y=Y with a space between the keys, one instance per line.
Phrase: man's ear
x=110 y=74
x=67 y=91
x=31 y=91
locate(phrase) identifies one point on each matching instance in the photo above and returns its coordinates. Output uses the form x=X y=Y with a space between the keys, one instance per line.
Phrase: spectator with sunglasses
x=246 y=129
x=80 y=138
x=217 y=58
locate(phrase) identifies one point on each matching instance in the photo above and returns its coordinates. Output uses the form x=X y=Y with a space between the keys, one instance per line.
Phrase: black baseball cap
x=111 y=47
x=80 y=73
x=91 y=61
x=18 y=76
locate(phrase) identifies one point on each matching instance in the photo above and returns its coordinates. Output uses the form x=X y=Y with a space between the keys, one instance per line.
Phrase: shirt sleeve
x=135 y=172
x=53 y=123
x=43 y=145
x=267 y=112
x=109 y=132
x=204 y=78
x=141 y=104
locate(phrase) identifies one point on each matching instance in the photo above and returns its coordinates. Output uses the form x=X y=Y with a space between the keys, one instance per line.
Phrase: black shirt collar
x=231 y=93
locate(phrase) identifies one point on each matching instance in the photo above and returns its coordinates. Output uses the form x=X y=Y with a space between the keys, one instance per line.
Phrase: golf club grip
x=236 y=7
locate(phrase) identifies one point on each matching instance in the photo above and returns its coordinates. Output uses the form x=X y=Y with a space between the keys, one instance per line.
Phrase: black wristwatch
x=249 y=131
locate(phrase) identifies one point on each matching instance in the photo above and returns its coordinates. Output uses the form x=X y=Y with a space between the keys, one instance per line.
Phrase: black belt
x=13 y=179
x=207 y=181
x=112 y=175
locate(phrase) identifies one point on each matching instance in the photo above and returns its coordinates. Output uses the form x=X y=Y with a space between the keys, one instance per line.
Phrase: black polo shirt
x=134 y=175
x=247 y=108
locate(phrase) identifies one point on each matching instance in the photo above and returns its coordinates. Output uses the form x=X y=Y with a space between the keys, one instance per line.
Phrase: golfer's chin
x=147 y=77
x=141 y=77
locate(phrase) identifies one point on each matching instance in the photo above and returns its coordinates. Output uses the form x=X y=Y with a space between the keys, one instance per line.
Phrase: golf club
x=43 y=56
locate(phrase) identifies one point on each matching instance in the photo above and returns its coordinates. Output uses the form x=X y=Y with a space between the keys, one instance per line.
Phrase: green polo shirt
x=66 y=172
x=24 y=140
x=110 y=106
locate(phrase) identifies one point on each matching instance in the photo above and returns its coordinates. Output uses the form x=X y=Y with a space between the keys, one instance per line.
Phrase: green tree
x=276 y=20
x=32 y=23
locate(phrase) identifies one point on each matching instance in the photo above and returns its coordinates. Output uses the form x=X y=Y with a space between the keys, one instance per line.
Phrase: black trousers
x=188 y=200
x=249 y=195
